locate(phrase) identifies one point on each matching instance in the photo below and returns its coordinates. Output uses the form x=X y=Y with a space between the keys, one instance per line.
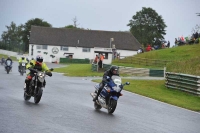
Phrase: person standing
x=168 y=44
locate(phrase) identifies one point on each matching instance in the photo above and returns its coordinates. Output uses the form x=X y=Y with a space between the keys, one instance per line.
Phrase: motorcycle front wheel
x=38 y=96
x=112 y=106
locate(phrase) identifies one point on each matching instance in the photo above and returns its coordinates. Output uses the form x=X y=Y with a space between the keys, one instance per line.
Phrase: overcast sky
x=109 y=15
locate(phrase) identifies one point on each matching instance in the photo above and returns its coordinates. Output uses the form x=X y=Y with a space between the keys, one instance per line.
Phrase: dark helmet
x=39 y=59
x=22 y=58
x=32 y=59
x=114 y=70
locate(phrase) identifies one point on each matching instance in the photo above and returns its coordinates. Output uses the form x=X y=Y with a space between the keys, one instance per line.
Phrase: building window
x=64 y=48
x=39 y=47
x=86 y=49
x=44 y=46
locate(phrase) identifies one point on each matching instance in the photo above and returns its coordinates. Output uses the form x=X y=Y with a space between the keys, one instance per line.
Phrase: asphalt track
x=66 y=107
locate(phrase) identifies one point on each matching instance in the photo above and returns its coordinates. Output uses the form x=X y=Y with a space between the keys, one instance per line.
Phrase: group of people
x=194 y=38
x=99 y=60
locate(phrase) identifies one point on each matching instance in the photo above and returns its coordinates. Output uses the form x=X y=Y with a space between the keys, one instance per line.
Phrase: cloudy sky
x=109 y=15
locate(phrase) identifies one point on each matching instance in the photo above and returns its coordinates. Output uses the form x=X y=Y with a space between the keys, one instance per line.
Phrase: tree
x=27 y=28
x=147 y=26
x=12 y=37
x=70 y=27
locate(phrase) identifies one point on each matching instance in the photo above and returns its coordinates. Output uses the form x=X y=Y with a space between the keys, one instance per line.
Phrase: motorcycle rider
x=2 y=60
x=35 y=64
x=112 y=71
x=9 y=62
x=22 y=59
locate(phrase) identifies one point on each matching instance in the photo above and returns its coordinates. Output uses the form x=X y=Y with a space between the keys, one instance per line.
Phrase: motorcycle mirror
x=51 y=69
x=127 y=83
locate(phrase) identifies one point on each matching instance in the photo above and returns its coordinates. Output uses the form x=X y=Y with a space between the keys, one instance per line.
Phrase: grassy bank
x=185 y=59
x=155 y=89
x=6 y=56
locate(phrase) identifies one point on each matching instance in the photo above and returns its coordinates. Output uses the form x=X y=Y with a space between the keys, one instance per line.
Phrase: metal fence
x=184 y=82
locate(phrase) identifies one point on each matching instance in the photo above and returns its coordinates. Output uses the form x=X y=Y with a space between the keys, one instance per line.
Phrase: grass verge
x=78 y=70
x=155 y=89
x=6 y=56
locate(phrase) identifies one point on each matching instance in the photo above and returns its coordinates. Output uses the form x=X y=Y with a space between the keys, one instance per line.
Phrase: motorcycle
x=22 y=68
x=109 y=95
x=36 y=85
x=8 y=66
x=2 y=61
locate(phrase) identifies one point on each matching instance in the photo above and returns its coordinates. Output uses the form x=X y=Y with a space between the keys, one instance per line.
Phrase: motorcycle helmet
x=39 y=59
x=114 y=70
x=22 y=58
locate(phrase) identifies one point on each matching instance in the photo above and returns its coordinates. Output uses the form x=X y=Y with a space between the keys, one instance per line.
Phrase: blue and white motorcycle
x=110 y=94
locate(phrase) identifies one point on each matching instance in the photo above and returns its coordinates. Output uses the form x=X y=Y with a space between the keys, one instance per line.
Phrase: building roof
x=82 y=38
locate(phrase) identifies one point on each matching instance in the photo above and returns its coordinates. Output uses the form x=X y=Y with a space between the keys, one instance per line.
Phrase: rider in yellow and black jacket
x=35 y=64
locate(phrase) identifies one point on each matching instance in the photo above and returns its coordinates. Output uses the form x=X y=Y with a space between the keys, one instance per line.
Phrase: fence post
x=164 y=71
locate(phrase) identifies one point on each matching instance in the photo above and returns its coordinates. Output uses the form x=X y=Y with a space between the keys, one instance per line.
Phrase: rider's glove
x=49 y=74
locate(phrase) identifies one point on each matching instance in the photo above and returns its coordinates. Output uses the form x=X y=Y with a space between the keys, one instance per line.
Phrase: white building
x=56 y=43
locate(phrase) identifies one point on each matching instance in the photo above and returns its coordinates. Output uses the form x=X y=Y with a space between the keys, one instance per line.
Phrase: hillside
x=184 y=59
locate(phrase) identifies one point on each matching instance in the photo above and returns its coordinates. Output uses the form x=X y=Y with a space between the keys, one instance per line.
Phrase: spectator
x=148 y=48
x=96 y=59
x=196 y=35
x=101 y=61
x=168 y=44
x=176 y=42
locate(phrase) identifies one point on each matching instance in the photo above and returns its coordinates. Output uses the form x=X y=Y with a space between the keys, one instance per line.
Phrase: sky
x=108 y=15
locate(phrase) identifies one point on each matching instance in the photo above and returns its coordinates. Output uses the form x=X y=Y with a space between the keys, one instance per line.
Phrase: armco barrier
x=184 y=82
x=74 y=61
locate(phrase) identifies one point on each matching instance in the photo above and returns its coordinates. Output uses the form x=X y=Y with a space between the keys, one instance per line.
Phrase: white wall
x=78 y=54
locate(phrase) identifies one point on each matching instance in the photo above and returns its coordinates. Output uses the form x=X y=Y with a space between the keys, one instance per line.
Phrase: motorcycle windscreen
x=8 y=63
x=117 y=83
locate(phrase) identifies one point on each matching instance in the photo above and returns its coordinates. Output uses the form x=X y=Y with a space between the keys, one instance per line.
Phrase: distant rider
x=8 y=62
x=112 y=71
x=37 y=64
x=22 y=59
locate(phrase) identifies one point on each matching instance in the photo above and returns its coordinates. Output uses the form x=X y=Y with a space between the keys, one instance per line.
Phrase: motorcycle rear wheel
x=112 y=106
x=26 y=97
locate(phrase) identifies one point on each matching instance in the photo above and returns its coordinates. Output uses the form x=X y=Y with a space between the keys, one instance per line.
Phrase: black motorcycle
x=36 y=85
x=8 y=66
x=22 y=68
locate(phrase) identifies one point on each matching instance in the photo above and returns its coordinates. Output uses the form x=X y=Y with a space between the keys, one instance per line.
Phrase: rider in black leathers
x=112 y=71
x=8 y=59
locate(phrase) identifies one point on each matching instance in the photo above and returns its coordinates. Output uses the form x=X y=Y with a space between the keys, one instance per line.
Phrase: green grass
x=156 y=89
x=78 y=70
x=6 y=56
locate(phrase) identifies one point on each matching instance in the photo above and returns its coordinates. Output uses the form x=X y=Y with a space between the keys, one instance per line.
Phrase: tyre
x=97 y=106
x=38 y=95
x=112 y=106
x=26 y=97
x=7 y=70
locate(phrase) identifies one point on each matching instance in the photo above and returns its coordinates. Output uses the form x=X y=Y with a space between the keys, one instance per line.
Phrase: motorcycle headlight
x=117 y=88
x=41 y=76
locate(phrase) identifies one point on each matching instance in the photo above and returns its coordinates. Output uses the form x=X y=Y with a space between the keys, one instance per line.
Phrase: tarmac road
x=66 y=107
